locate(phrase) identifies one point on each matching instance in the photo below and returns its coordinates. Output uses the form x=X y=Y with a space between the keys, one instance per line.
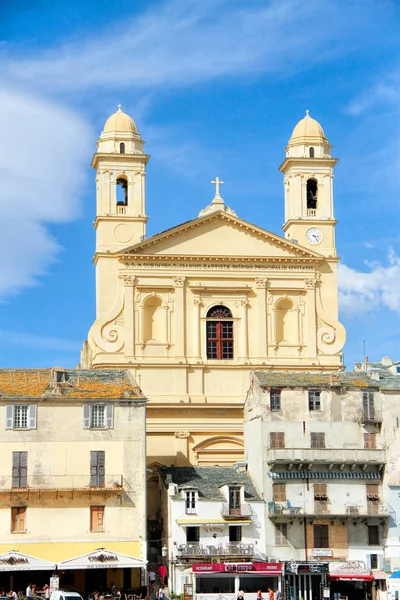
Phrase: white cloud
x=364 y=292
x=182 y=42
x=43 y=156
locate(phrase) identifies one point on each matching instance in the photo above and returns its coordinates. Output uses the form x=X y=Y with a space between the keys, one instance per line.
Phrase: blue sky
x=215 y=88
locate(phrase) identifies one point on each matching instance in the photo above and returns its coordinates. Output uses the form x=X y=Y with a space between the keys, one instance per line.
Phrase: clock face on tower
x=314 y=236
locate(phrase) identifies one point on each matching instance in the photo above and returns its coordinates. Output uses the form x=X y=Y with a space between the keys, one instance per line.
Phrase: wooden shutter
x=32 y=416
x=97 y=468
x=19 y=469
x=320 y=490
x=372 y=491
x=279 y=492
x=277 y=439
x=9 y=416
x=86 y=416
x=369 y=440
x=109 y=421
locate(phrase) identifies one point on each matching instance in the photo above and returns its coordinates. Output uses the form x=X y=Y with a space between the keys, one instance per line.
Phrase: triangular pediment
x=220 y=234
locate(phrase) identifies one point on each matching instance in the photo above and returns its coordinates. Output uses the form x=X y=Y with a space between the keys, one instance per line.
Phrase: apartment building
x=72 y=478
x=214 y=532
x=314 y=445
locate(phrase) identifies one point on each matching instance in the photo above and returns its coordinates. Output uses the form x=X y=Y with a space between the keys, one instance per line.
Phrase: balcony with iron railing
x=329 y=510
x=48 y=483
x=242 y=511
x=229 y=549
x=327 y=455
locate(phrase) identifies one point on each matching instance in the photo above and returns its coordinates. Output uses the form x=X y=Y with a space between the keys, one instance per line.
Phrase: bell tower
x=308 y=184
x=120 y=185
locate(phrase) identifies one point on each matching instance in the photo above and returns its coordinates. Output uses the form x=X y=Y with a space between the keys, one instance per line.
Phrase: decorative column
x=244 y=343
x=311 y=317
x=129 y=314
x=261 y=285
x=196 y=327
x=180 y=317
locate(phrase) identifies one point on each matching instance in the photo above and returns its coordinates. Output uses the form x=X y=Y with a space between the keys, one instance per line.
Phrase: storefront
x=18 y=570
x=305 y=580
x=213 y=580
x=350 y=579
x=100 y=570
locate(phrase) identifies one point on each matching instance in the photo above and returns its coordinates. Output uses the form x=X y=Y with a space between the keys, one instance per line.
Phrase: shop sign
x=296 y=568
x=208 y=568
x=348 y=567
x=54 y=583
x=236 y=567
x=320 y=552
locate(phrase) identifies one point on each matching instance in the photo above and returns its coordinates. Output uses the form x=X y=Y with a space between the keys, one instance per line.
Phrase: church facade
x=191 y=311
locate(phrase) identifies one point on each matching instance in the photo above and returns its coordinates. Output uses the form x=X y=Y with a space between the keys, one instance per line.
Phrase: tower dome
x=307 y=127
x=120 y=122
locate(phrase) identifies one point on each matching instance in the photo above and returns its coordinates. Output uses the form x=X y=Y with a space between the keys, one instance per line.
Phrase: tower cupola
x=308 y=140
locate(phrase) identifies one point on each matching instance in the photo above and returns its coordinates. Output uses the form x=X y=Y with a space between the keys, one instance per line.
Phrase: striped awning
x=323 y=475
x=205 y=521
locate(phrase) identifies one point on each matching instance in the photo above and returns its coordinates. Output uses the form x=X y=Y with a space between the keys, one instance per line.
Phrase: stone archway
x=219 y=450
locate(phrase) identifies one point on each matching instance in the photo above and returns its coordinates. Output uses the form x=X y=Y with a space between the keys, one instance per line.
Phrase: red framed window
x=219 y=333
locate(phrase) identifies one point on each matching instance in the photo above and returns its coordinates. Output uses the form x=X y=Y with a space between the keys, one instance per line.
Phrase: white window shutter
x=32 y=416
x=86 y=416
x=368 y=561
x=381 y=562
x=9 y=416
x=109 y=416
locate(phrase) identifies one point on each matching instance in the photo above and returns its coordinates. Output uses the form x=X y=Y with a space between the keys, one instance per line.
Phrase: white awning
x=102 y=559
x=15 y=561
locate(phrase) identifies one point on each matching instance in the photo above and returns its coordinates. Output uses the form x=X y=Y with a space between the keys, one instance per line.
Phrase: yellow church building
x=191 y=311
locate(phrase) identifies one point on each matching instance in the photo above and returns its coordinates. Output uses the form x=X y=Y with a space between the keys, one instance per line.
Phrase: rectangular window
x=373 y=535
x=192 y=534
x=235 y=533
x=97 y=518
x=19 y=469
x=98 y=416
x=368 y=406
x=372 y=491
x=281 y=534
x=190 y=503
x=220 y=339
x=320 y=490
x=314 y=400
x=234 y=501
x=279 y=492
x=317 y=440
x=369 y=440
x=321 y=537
x=275 y=400
x=373 y=561
x=18 y=518
x=21 y=416
x=97 y=468
x=277 y=439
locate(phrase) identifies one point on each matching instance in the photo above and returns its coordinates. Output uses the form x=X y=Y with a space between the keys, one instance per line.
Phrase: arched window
x=219 y=333
x=311 y=152
x=286 y=322
x=122 y=148
x=312 y=192
x=122 y=192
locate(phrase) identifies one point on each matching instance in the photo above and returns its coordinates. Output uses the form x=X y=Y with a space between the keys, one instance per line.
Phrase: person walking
x=162 y=572
x=152 y=578
x=29 y=591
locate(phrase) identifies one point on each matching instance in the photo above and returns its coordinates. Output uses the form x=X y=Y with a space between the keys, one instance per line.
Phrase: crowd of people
x=31 y=591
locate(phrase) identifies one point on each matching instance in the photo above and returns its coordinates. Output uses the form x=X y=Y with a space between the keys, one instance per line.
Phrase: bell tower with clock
x=308 y=184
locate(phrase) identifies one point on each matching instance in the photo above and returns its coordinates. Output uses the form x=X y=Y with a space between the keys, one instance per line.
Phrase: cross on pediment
x=217 y=182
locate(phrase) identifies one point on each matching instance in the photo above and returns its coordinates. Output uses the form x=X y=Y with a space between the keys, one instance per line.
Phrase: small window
x=279 y=492
x=317 y=440
x=97 y=468
x=122 y=148
x=373 y=561
x=275 y=400
x=21 y=416
x=314 y=400
x=234 y=501
x=18 y=514
x=235 y=533
x=277 y=439
x=190 y=503
x=321 y=536
x=369 y=440
x=97 y=518
x=19 y=469
x=281 y=534
x=98 y=416
x=311 y=152
x=192 y=534
x=373 y=535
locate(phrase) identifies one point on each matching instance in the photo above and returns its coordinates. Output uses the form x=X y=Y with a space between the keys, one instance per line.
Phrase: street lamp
x=164 y=552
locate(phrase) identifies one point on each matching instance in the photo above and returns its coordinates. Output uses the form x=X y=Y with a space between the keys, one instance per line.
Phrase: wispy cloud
x=42 y=156
x=364 y=292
